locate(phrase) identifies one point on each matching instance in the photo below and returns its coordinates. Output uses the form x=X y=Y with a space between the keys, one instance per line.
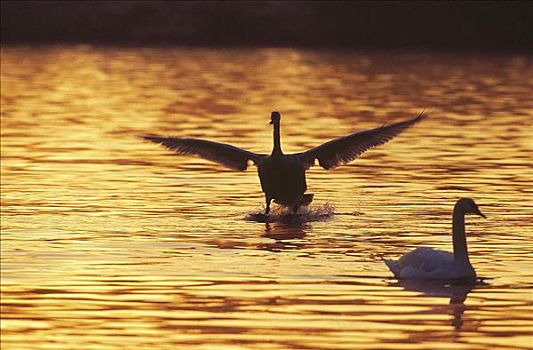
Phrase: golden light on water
x=108 y=241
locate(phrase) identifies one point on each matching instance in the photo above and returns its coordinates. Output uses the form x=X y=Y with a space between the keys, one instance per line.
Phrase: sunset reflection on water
x=110 y=242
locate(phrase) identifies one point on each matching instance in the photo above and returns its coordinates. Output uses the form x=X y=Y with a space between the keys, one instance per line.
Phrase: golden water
x=109 y=242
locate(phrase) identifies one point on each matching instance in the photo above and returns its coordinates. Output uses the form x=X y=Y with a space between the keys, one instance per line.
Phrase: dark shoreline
x=485 y=26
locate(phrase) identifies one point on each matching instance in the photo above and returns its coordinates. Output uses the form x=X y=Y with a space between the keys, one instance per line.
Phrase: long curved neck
x=460 y=251
x=277 y=139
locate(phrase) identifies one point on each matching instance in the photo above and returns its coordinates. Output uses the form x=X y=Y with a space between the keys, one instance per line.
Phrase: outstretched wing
x=345 y=149
x=230 y=156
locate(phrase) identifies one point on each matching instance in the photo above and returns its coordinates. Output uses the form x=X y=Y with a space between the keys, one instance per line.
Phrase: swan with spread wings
x=283 y=175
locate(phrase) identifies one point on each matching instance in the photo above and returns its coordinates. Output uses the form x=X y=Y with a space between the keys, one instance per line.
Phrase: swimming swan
x=428 y=263
x=283 y=175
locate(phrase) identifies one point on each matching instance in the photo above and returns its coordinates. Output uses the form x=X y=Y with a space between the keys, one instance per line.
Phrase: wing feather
x=230 y=156
x=345 y=149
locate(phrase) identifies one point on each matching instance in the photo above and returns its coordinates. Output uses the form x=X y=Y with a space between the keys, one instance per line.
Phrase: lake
x=110 y=242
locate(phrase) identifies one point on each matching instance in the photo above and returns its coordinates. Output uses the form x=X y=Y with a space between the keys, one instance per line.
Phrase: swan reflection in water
x=288 y=230
x=457 y=292
x=285 y=236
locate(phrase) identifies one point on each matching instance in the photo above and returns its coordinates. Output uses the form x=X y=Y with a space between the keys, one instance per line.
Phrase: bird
x=426 y=263
x=282 y=176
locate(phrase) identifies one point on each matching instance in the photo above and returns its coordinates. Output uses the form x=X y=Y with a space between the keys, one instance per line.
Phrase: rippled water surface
x=109 y=242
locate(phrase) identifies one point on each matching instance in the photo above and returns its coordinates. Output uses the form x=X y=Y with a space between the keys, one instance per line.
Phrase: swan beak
x=478 y=212
x=271 y=122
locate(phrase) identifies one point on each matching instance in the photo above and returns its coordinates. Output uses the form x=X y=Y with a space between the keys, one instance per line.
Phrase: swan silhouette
x=426 y=263
x=283 y=175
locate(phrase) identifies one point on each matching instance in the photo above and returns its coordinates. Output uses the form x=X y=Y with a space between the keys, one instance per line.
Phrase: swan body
x=282 y=175
x=283 y=179
x=428 y=263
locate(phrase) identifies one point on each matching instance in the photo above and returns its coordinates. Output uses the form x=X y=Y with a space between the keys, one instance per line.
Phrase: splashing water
x=319 y=212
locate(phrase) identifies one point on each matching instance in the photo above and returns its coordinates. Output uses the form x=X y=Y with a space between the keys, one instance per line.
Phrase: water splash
x=319 y=212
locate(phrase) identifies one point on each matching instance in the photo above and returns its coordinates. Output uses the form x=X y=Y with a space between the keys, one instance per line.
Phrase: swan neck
x=277 y=139
x=460 y=251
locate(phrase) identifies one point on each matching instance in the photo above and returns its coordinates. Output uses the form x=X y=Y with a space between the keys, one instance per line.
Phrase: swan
x=282 y=176
x=426 y=263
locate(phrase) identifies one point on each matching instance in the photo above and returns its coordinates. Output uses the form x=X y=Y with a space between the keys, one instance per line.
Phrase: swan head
x=275 y=117
x=467 y=205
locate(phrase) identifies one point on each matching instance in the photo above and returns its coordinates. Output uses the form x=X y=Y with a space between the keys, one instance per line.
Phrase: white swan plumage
x=428 y=263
